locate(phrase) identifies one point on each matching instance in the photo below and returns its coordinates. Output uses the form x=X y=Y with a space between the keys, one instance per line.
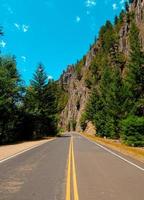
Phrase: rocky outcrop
x=137 y=8
x=123 y=41
x=90 y=129
x=78 y=94
x=76 y=88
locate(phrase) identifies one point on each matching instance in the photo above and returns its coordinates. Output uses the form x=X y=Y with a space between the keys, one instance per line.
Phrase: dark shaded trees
x=41 y=104
x=133 y=123
x=10 y=98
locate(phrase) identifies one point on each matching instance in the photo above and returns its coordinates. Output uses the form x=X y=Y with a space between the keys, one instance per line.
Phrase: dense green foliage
x=10 y=98
x=41 y=104
x=28 y=112
x=116 y=104
x=132 y=131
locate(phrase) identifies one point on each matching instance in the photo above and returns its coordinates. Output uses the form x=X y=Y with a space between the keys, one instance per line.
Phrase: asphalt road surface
x=71 y=168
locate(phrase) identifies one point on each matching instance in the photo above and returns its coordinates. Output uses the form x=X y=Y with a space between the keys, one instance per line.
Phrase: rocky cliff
x=74 y=82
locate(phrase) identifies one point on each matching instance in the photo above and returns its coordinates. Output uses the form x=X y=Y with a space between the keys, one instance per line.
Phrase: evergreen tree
x=134 y=80
x=116 y=20
x=51 y=108
x=132 y=125
x=10 y=97
x=41 y=105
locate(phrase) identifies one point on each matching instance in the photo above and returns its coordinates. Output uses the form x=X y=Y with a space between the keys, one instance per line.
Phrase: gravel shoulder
x=133 y=152
x=10 y=150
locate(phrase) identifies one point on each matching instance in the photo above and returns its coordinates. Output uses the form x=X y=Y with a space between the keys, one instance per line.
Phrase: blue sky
x=54 y=32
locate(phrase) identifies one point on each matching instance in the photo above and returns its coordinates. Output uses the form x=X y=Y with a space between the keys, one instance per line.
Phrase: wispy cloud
x=10 y=10
x=17 y=26
x=24 y=28
x=7 y=8
x=2 y=44
x=122 y=1
x=78 y=19
x=122 y=4
x=23 y=58
x=114 y=6
x=90 y=3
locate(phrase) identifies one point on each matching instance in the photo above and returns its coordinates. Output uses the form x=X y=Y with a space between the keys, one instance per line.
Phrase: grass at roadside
x=134 y=152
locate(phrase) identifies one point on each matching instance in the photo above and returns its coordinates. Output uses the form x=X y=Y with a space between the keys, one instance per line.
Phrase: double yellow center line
x=71 y=163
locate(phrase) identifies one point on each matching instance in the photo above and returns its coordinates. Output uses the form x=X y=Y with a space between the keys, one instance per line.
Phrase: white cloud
x=122 y=4
x=17 y=26
x=8 y=8
x=122 y=1
x=50 y=77
x=78 y=19
x=23 y=58
x=25 y=28
x=114 y=6
x=90 y=3
x=2 y=44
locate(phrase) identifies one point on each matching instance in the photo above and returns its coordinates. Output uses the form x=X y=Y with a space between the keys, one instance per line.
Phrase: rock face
x=136 y=7
x=77 y=91
x=78 y=94
x=90 y=129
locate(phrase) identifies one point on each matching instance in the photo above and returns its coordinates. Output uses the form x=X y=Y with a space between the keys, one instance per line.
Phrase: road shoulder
x=8 y=151
x=133 y=152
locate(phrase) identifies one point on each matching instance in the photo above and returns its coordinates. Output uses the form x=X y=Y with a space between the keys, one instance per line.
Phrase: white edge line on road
x=23 y=151
x=120 y=157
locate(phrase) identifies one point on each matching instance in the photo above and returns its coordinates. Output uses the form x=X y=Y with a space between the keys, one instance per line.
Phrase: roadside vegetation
x=28 y=112
x=134 y=152
x=116 y=103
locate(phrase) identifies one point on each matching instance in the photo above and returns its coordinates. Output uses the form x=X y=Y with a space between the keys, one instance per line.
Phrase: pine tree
x=133 y=124
x=10 y=97
x=41 y=104
x=51 y=108
x=134 y=80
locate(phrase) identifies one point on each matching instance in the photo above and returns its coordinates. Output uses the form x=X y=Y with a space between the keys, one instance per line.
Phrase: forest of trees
x=27 y=112
x=116 y=103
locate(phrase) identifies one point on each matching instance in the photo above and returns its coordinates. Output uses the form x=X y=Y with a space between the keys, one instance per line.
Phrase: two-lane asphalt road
x=71 y=168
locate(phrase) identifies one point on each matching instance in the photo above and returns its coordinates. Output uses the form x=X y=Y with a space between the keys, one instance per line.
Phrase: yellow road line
x=69 y=173
x=76 y=197
x=71 y=161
